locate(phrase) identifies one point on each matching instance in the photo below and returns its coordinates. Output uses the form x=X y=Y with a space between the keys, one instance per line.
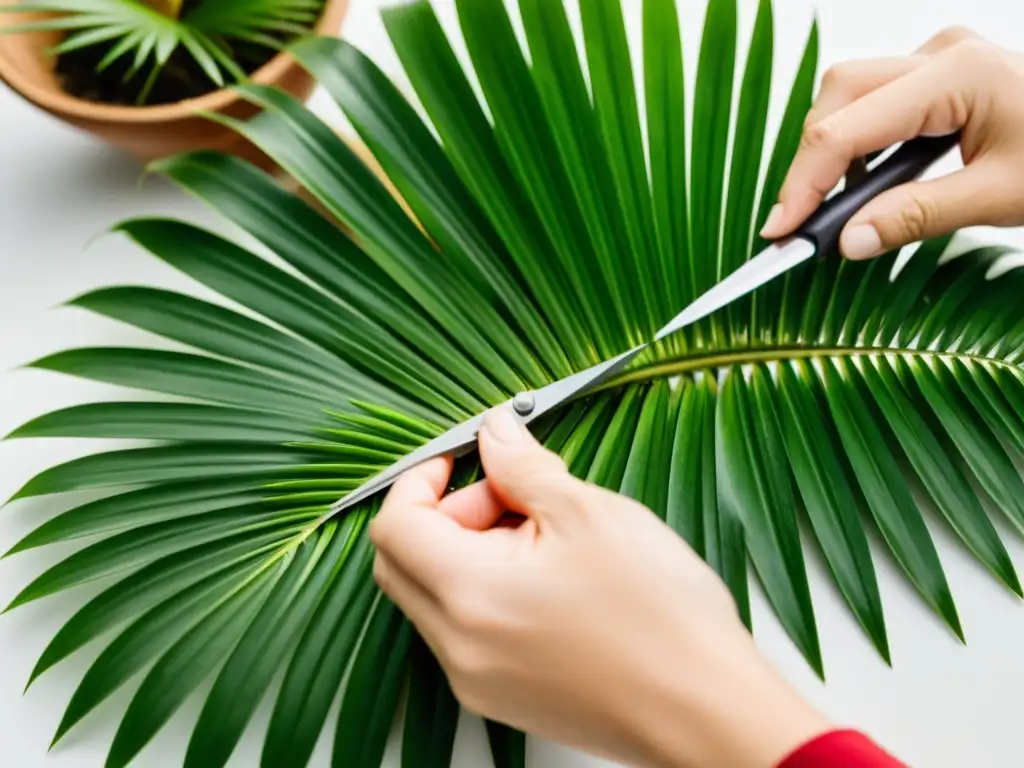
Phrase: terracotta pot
x=149 y=132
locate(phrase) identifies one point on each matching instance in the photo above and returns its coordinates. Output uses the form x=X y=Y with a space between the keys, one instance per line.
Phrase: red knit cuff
x=841 y=749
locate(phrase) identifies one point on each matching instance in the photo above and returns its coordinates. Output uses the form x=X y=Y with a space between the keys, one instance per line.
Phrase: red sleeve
x=841 y=749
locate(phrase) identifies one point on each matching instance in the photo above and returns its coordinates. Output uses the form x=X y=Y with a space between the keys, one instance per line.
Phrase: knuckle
x=830 y=77
x=912 y=221
x=814 y=115
x=836 y=76
x=957 y=107
x=443 y=577
x=950 y=109
x=472 y=613
x=468 y=662
x=826 y=134
x=953 y=35
x=978 y=54
x=461 y=605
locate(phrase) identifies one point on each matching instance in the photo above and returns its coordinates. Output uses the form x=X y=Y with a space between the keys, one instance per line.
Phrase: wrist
x=726 y=707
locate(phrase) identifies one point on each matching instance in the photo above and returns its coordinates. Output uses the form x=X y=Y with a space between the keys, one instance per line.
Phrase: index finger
x=423 y=485
x=412 y=532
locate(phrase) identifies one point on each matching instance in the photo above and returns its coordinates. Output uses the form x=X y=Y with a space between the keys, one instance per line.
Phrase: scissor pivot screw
x=524 y=403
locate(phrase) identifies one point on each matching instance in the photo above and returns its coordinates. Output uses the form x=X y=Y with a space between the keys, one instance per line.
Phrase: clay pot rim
x=61 y=102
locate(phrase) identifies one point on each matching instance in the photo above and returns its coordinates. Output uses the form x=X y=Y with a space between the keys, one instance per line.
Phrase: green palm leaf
x=553 y=223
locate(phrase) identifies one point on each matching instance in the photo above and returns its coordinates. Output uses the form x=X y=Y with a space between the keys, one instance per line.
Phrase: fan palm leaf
x=530 y=234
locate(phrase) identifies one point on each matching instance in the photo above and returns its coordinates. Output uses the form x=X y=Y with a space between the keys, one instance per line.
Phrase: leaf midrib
x=721 y=359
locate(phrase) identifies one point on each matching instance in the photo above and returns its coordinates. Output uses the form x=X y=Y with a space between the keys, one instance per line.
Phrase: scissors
x=817 y=236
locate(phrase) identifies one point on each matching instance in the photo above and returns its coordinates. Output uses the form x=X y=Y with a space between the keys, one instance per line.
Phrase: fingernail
x=773 y=220
x=504 y=426
x=860 y=242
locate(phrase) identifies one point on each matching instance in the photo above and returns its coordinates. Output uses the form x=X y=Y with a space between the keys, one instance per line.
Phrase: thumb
x=921 y=210
x=524 y=475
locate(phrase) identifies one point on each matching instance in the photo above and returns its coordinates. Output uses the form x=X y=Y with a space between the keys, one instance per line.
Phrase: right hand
x=956 y=81
x=590 y=623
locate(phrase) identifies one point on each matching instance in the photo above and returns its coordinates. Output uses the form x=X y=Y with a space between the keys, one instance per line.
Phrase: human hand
x=956 y=81
x=591 y=623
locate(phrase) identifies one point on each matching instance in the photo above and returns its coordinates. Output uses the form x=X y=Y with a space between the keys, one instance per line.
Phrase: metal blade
x=554 y=395
x=770 y=263
x=456 y=441
x=767 y=265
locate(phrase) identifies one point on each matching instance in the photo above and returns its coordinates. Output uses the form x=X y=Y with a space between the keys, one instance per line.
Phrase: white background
x=942 y=704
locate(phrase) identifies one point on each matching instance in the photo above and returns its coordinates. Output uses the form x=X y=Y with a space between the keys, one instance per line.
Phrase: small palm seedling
x=146 y=52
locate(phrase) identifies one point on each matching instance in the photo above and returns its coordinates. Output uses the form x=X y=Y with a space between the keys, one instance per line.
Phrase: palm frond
x=850 y=407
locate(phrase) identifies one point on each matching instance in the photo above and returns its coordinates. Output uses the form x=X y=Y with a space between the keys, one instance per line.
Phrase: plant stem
x=668 y=368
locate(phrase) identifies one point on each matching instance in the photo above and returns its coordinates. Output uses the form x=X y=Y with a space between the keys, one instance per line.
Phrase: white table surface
x=941 y=705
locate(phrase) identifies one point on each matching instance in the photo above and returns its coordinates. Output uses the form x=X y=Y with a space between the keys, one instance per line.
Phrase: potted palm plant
x=141 y=73
x=539 y=235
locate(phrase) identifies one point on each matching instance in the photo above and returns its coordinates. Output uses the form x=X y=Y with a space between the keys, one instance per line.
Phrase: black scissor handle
x=907 y=163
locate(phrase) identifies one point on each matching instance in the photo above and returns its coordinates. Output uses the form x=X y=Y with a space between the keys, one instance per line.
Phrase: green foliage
x=146 y=36
x=848 y=406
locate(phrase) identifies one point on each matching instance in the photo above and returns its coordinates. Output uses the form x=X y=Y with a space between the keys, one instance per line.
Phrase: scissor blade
x=553 y=395
x=462 y=438
x=455 y=442
x=766 y=266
